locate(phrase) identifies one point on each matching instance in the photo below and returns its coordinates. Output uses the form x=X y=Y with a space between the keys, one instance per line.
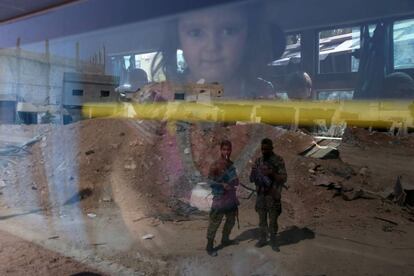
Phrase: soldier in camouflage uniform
x=269 y=175
x=223 y=181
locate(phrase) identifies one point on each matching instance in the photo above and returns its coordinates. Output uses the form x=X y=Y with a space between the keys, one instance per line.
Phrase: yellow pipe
x=358 y=113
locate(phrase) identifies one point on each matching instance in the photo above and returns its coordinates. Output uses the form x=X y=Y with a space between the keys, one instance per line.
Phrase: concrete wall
x=7 y=112
x=91 y=87
x=38 y=78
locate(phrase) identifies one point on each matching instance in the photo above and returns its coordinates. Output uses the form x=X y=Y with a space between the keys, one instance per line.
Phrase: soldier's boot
x=274 y=243
x=210 y=248
x=226 y=241
x=262 y=240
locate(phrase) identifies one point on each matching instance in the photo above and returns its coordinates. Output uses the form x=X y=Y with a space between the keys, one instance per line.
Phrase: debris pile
x=133 y=164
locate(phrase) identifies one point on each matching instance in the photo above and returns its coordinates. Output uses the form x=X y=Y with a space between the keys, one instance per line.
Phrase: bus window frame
x=344 y=81
x=409 y=71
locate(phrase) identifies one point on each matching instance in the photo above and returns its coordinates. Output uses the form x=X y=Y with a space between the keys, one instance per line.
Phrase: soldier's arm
x=234 y=179
x=280 y=175
x=281 y=178
x=254 y=172
x=212 y=176
x=230 y=185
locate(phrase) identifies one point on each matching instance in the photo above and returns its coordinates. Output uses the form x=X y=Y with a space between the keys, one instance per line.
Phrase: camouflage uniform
x=268 y=202
x=225 y=201
x=215 y=220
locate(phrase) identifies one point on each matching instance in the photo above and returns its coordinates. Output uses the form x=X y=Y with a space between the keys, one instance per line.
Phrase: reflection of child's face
x=213 y=43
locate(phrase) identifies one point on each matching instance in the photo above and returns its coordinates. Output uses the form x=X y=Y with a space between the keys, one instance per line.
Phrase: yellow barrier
x=357 y=113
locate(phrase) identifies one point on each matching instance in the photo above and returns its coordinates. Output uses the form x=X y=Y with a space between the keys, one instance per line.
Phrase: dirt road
x=83 y=197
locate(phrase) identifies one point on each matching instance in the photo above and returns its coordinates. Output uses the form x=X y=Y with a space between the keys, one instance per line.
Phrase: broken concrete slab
x=403 y=192
x=347 y=193
x=148 y=237
x=13 y=139
x=323 y=149
x=11 y=149
x=330 y=182
x=360 y=193
x=91 y=215
x=399 y=193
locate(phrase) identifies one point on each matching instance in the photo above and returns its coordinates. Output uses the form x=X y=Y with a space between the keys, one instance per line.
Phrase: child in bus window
x=231 y=46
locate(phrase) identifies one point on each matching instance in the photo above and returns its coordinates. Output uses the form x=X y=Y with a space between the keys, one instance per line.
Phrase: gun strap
x=237 y=217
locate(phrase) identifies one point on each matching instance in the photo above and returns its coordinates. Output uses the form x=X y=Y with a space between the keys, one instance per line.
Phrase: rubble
x=403 y=193
x=151 y=188
x=107 y=199
x=148 y=237
x=13 y=149
x=312 y=166
x=81 y=195
x=181 y=208
x=130 y=166
x=347 y=193
x=364 y=171
x=386 y=220
x=89 y=152
x=327 y=181
x=166 y=177
x=323 y=148
x=360 y=193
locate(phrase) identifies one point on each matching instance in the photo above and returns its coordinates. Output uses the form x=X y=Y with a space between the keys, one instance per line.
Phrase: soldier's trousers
x=215 y=220
x=268 y=207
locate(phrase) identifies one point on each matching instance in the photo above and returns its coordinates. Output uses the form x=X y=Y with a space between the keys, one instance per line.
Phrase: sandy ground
x=21 y=257
x=90 y=191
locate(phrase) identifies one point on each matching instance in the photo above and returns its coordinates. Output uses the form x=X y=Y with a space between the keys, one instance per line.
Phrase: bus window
x=335 y=95
x=404 y=44
x=336 y=47
x=291 y=59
